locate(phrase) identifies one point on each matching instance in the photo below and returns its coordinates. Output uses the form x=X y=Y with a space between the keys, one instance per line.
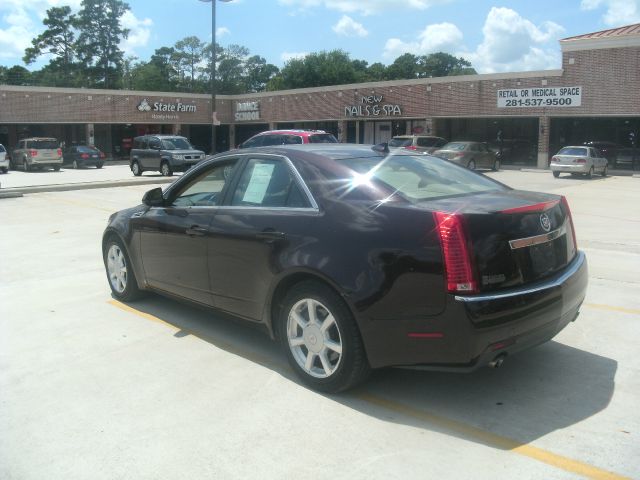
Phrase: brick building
x=595 y=96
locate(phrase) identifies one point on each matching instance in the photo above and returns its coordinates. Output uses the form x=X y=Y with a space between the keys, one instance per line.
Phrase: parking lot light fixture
x=213 y=73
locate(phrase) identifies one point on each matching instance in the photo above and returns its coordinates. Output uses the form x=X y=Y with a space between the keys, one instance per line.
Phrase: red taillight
x=458 y=155
x=411 y=147
x=554 y=159
x=580 y=160
x=84 y=155
x=537 y=207
x=59 y=152
x=457 y=257
x=102 y=155
x=565 y=204
x=33 y=153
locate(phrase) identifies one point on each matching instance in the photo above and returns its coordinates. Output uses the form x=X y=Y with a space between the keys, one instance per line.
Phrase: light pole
x=213 y=73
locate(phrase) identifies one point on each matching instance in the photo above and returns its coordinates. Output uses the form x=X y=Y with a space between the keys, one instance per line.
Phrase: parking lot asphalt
x=93 y=388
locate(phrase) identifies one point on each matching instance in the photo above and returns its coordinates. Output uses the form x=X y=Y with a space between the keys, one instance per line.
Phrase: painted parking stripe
x=494 y=440
x=632 y=311
x=466 y=431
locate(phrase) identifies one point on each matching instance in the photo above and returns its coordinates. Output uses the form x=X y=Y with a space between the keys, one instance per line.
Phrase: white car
x=579 y=159
x=4 y=161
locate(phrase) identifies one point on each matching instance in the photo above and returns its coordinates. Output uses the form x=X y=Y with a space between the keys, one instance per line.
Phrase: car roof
x=417 y=135
x=334 y=151
x=291 y=131
x=40 y=138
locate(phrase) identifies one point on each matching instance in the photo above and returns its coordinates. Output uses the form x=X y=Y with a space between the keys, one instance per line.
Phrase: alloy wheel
x=314 y=338
x=117 y=268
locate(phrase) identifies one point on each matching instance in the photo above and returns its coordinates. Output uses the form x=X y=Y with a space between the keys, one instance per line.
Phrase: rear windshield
x=2 y=148
x=419 y=178
x=428 y=141
x=85 y=149
x=572 y=151
x=400 y=142
x=322 y=138
x=177 y=143
x=42 y=144
x=455 y=146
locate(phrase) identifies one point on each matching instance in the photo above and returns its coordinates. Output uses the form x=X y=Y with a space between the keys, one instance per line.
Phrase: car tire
x=25 y=165
x=605 y=170
x=471 y=165
x=321 y=339
x=120 y=275
x=56 y=168
x=99 y=165
x=165 y=169
x=590 y=174
x=556 y=174
x=496 y=165
x=5 y=169
x=136 y=168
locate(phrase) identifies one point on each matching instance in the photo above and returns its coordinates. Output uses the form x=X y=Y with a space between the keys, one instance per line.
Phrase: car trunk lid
x=512 y=237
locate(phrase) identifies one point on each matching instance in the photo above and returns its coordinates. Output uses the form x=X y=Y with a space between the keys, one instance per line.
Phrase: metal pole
x=213 y=76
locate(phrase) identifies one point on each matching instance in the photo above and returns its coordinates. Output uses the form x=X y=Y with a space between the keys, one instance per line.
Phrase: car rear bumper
x=474 y=330
x=579 y=168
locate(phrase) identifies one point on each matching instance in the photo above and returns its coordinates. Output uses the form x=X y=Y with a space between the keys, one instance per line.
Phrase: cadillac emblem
x=545 y=222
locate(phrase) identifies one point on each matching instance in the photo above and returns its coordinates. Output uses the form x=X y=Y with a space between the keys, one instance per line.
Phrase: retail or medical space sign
x=540 y=97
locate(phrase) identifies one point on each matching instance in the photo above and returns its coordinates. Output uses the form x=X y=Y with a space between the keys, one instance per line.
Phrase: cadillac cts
x=357 y=259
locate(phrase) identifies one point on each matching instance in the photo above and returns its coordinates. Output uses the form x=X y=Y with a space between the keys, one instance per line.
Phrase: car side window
x=268 y=183
x=252 y=142
x=205 y=190
x=155 y=144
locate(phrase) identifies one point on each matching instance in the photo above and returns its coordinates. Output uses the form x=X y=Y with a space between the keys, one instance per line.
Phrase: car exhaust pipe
x=498 y=361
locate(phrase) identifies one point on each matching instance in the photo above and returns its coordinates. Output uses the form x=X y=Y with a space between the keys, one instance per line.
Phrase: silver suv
x=37 y=153
x=163 y=153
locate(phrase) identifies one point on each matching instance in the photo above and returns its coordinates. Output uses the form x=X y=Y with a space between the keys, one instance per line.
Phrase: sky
x=496 y=36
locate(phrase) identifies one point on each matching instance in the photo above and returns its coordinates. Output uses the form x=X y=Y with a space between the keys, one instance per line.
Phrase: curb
x=65 y=187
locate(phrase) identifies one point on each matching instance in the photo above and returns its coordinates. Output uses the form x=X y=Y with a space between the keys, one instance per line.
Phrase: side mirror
x=381 y=147
x=153 y=198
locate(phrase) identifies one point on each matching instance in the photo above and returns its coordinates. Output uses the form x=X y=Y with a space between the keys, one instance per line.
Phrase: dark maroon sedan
x=356 y=259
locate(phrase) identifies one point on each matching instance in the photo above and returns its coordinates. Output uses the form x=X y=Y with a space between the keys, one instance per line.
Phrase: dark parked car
x=609 y=150
x=163 y=153
x=356 y=259
x=79 y=156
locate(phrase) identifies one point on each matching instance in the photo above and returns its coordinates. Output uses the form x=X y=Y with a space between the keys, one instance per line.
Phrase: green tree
x=442 y=64
x=163 y=59
x=376 y=72
x=319 y=69
x=18 y=75
x=189 y=54
x=403 y=68
x=98 y=45
x=258 y=73
x=57 y=40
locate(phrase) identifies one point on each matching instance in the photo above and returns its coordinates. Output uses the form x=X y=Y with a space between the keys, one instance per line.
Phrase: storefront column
x=232 y=136
x=543 y=142
x=90 y=134
x=342 y=131
x=273 y=126
x=357 y=132
x=430 y=127
x=176 y=129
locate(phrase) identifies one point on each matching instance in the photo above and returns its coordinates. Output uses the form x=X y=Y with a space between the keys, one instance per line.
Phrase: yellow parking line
x=633 y=311
x=495 y=441
x=466 y=431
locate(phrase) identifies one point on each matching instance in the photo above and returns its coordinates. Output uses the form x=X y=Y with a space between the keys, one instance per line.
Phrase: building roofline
x=332 y=88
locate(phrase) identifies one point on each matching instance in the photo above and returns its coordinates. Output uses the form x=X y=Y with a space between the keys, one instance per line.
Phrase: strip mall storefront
x=526 y=115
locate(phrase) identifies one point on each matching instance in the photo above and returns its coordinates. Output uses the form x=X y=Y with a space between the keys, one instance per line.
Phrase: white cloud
x=513 y=43
x=619 y=12
x=139 y=32
x=348 y=27
x=365 y=7
x=286 y=56
x=221 y=32
x=438 y=37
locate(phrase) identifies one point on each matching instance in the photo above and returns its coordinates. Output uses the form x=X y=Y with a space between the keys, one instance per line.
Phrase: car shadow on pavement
x=548 y=388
